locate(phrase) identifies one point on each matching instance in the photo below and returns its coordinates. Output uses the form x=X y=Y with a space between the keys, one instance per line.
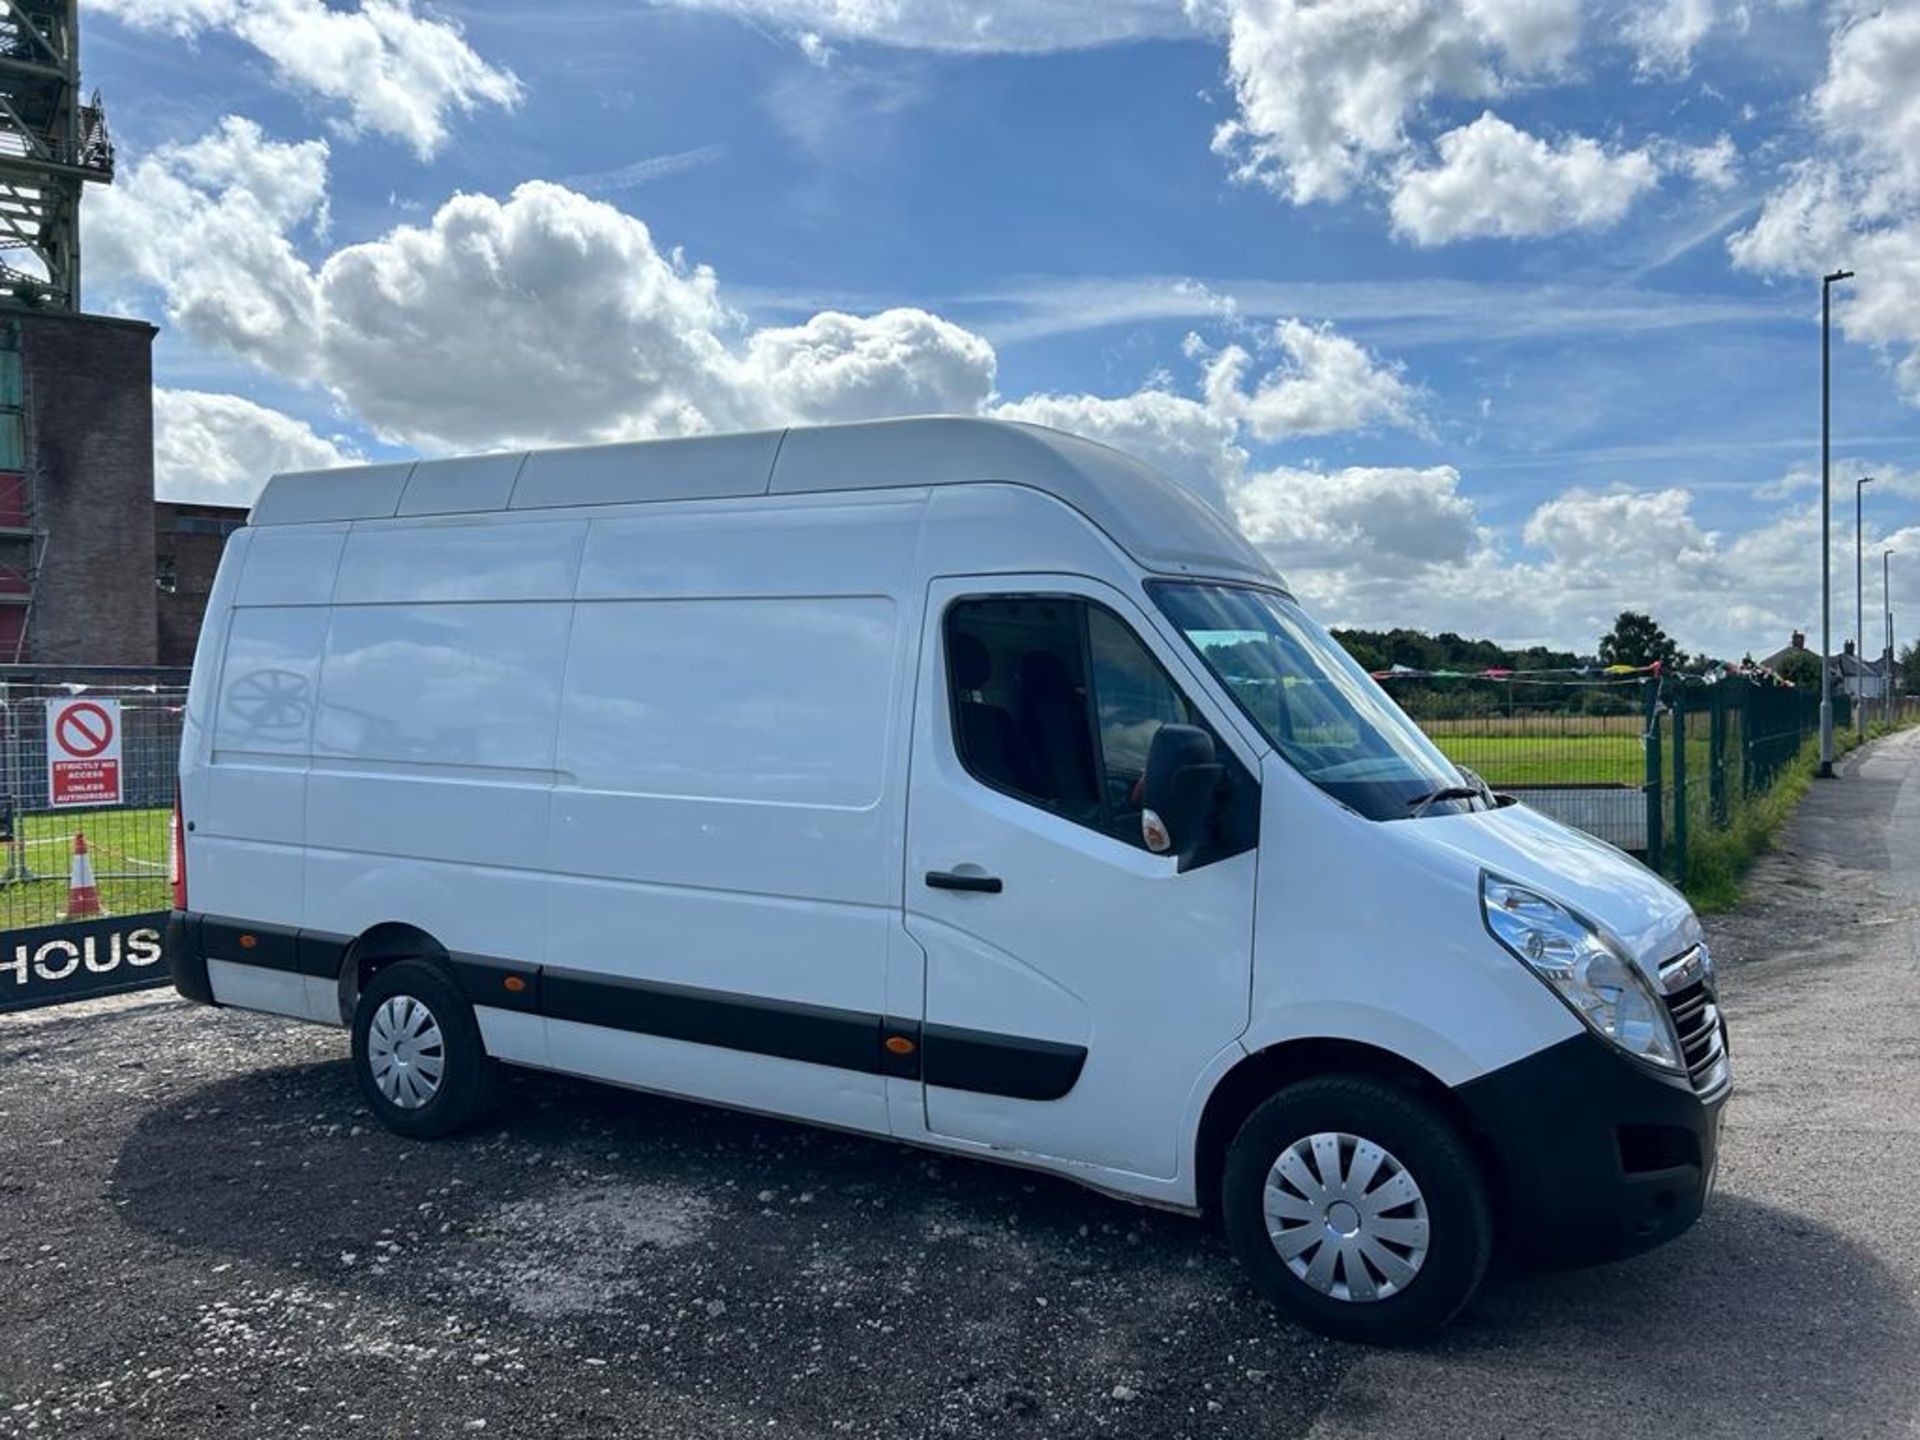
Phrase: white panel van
x=960 y=782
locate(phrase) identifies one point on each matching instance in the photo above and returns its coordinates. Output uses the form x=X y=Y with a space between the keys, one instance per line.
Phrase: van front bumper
x=1594 y=1156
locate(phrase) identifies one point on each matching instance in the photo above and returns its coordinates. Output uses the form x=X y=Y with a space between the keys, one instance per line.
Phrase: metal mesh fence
x=1649 y=763
x=128 y=842
x=1573 y=748
x=1645 y=762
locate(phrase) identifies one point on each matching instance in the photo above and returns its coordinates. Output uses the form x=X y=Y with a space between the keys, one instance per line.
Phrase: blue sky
x=1489 y=315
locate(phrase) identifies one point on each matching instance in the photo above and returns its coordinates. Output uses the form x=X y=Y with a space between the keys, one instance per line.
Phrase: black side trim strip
x=994 y=1064
x=900 y=1048
x=486 y=981
x=272 y=947
x=819 y=1034
x=248 y=942
x=322 y=954
x=947 y=1055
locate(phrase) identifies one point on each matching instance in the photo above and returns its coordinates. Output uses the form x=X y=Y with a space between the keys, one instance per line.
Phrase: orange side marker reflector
x=247 y=942
x=900 y=1045
x=514 y=983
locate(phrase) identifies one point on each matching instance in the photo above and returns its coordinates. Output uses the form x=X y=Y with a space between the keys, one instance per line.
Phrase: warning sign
x=83 y=752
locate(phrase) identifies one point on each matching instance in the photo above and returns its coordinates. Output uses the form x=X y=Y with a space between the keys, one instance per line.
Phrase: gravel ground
x=203 y=1230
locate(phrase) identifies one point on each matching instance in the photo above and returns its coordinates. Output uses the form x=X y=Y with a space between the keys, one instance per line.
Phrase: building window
x=205 y=525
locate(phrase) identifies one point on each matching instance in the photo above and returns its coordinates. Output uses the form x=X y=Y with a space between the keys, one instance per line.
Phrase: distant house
x=1852 y=676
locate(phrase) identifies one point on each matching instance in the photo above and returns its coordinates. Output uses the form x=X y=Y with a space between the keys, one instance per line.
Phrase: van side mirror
x=1177 y=791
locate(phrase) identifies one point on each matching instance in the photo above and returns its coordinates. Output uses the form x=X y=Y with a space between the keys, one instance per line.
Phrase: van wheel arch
x=376 y=948
x=1243 y=1089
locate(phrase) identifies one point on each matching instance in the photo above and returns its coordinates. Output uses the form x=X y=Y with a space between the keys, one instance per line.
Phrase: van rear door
x=1077 y=985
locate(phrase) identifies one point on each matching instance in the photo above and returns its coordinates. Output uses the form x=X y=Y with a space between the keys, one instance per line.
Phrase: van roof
x=1161 y=523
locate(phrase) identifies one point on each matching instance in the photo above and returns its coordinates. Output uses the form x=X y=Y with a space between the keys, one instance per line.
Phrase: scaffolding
x=22 y=539
x=52 y=144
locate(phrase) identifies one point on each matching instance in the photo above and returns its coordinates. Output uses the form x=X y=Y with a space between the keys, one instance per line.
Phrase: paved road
x=201 y=1231
x=1793 y=1308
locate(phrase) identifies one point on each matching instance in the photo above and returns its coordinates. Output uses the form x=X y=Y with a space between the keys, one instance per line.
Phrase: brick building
x=76 y=488
x=76 y=390
x=187 y=541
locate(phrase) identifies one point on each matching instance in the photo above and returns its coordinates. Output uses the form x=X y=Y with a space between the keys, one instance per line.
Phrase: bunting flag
x=1591 y=675
x=1580 y=673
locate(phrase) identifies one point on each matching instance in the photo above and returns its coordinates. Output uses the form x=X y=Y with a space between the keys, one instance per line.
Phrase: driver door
x=1076 y=985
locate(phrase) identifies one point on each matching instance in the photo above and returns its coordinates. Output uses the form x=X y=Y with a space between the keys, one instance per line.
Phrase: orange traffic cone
x=83 y=896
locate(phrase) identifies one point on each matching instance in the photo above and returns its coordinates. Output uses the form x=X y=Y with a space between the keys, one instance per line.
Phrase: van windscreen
x=1313 y=702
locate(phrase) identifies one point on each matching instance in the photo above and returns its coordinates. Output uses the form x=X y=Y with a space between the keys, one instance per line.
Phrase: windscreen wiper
x=1420 y=804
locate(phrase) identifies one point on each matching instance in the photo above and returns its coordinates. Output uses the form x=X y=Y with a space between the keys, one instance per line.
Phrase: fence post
x=1655 y=849
x=1717 y=754
x=1747 y=707
x=1679 y=713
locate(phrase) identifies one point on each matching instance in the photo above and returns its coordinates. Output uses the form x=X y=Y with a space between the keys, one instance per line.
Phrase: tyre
x=1357 y=1209
x=417 y=1052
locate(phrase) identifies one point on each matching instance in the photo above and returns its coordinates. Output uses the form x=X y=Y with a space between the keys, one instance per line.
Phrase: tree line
x=1636 y=639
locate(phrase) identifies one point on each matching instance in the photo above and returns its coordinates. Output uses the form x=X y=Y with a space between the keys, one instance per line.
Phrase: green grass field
x=1551 y=759
x=129 y=850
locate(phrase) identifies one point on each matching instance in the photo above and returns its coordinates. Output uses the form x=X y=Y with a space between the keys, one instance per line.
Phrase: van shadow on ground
x=791 y=1273
x=812 y=1277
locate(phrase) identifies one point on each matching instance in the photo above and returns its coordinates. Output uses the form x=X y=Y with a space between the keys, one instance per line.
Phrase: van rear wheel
x=418 y=1055
x=1357 y=1209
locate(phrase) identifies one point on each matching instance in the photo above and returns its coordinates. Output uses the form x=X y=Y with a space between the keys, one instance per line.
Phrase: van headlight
x=1598 y=983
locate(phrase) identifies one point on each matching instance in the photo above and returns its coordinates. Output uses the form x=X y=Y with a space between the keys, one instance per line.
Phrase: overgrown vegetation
x=1719 y=857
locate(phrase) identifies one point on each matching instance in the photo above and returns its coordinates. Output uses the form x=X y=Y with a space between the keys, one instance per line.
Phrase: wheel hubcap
x=405 y=1052
x=1346 y=1216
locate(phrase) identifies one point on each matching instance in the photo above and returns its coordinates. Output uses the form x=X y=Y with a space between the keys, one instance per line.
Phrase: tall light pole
x=1826 y=520
x=1859 y=612
x=1886 y=594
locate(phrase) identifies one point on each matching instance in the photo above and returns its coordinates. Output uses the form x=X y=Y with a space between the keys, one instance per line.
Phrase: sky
x=1492 y=316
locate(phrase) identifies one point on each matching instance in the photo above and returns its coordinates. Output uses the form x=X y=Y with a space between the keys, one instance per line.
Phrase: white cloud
x=961 y=25
x=1715 y=166
x=1596 y=536
x=220 y=449
x=551 y=317
x=1323 y=383
x=395 y=70
x=1384 y=521
x=1804 y=225
x=1868 y=99
x=1383 y=547
x=1188 y=439
x=544 y=317
x=1496 y=180
x=1327 y=382
x=548 y=317
x=845 y=367
x=1326 y=91
x=1664 y=33
x=1855 y=202
x=210 y=225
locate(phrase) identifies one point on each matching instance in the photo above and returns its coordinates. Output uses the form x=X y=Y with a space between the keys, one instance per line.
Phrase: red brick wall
x=89 y=403
x=187 y=541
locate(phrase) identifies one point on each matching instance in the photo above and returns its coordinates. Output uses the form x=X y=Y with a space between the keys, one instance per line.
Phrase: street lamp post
x=1826 y=520
x=1859 y=612
x=1886 y=599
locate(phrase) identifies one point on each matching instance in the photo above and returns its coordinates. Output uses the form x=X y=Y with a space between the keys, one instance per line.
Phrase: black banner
x=52 y=964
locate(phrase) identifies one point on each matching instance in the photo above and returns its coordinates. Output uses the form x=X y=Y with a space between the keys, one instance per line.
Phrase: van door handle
x=953 y=880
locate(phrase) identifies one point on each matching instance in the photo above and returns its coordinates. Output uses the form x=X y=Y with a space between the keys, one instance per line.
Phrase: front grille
x=1703 y=1035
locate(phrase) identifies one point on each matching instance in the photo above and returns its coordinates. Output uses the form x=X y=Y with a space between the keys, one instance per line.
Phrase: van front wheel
x=1357 y=1209
x=417 y=1053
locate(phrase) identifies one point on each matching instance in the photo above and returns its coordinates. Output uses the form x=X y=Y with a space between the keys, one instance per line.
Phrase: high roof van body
x=965 y=783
